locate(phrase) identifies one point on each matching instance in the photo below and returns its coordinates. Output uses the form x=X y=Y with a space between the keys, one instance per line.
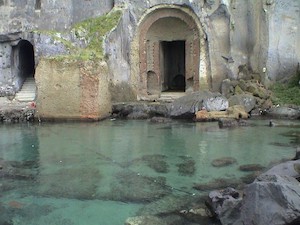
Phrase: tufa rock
x=186 y=106
x=246 y=100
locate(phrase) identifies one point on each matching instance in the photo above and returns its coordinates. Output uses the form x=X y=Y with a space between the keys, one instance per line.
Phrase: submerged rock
x=160 y=120
x=132 y=187
x=217 y=184
x=72 y=183
x=187 y=168
x=251 y=167
x=225 y=161
x=284 y=112
x=230 y=123
x=156 y=162
x=249 y=178
x=144 y=220
x=167 y=205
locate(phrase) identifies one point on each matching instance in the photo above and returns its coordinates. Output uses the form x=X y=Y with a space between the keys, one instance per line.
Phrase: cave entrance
x=25 y=62
x=173 y=66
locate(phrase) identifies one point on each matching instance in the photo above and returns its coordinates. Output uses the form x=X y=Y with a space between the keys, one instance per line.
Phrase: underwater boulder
x=224 y=161
x=251 y=167
x=187 y=167
x=133 y=187
x=144 y=220
x=217 y=184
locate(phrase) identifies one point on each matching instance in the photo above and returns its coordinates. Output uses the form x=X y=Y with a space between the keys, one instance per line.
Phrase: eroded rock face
x=270 y=199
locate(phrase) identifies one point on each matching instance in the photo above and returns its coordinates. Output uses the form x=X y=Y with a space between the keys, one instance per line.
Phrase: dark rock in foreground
x=17 y=115
x=273 y=198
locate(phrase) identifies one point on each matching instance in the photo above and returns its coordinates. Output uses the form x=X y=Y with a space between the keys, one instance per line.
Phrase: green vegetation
x=287 y=93
x=90 y=32
x=93 y=32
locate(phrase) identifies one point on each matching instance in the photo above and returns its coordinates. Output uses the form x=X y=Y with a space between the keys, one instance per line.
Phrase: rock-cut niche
x=169 y=52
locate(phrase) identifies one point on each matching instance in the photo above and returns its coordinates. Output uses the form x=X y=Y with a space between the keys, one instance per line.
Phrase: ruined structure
x=157 y=46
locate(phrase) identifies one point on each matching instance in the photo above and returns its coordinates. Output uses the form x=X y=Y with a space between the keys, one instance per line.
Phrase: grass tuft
x=287 y=93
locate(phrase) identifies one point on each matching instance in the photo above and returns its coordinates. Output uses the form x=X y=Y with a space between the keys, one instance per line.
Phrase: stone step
x=27 y=92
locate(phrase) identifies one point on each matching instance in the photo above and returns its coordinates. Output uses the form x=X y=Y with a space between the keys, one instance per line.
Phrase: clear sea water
x=104 y=172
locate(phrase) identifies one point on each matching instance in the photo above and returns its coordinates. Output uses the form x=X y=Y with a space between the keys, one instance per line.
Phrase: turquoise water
x=103 y=173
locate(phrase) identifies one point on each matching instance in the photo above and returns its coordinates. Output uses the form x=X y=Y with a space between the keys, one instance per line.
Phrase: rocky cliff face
x=157 y=45
x=20 y=16
x=239 y=38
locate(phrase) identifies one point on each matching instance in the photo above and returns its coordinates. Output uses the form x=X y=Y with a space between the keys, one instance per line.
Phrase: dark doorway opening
x=26 y=64
x=173 y=65
x=38 y=5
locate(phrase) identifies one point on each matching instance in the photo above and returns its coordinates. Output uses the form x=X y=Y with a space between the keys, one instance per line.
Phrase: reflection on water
x=103 y=173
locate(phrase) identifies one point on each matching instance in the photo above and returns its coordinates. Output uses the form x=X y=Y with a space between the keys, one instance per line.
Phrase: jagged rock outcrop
x=273 y=198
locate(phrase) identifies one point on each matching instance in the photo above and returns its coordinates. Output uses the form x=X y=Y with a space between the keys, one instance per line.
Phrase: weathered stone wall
x=283 y=55
x=236 y=38
x=242 y=38
x=16 y=15
x=69 y=89
x=6 y=87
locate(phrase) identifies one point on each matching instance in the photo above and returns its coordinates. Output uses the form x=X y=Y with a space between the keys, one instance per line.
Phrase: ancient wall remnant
x=167 y=46
x=71 y=89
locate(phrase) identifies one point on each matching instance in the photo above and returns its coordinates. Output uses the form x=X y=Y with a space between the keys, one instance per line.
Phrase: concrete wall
x=69 y=89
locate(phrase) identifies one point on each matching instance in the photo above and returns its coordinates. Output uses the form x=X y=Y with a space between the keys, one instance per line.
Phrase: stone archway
x=23 y=61
x=169 y=39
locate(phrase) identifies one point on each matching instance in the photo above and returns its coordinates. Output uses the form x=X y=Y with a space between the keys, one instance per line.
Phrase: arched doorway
x=169 y=48
x=24 y=71
x=25 y=62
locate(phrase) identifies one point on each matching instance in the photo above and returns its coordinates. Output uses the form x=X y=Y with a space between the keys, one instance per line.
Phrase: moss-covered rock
x=83 y=41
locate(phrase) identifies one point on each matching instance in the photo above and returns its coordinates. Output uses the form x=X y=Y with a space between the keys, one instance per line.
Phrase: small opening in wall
x=38 y=4
x=26 y=62
x=173 y=54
